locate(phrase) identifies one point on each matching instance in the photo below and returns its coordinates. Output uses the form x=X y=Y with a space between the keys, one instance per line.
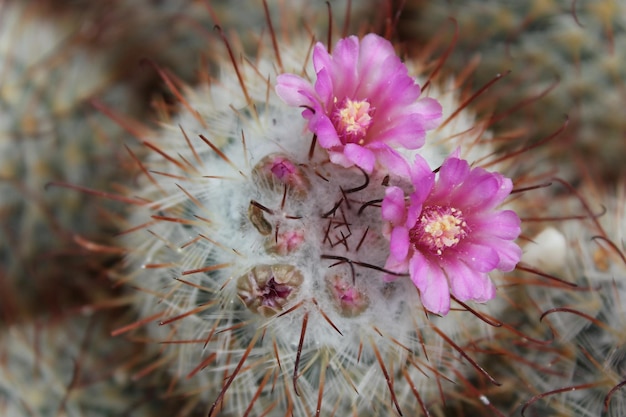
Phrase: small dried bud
x=285 y=242
x=255 y=214
x=279 y=171
x=350 y=300
x=266 y=289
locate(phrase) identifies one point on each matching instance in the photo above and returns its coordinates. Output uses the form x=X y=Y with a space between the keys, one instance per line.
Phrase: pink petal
x=399 y=122
x=432 y=283
x=414 y=211
x=374 y=50
x=430 y=110
x=404 y=126
x=407 y=132
x=510 y=254
x=343 y=68
x=393 y=206
x=422 y=177
x=423 y=180
x=321 y=58
x=378 y=67
x=324 y=87
x=294 y=90
x=391 y=160
x=394 y=265
x=482 y=258
x=326 y=133
x=488 y=290
x=418 y=269
x=469 y=284
x=504 y=224
x=360 y=156
x=452 y=174
x=339 y=158
x=399 y=243
x=506 y=185
x=482 y=190
x=389 y=87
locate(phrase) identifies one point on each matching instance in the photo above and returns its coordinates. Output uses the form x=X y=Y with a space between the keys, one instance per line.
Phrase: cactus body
x=257 y=261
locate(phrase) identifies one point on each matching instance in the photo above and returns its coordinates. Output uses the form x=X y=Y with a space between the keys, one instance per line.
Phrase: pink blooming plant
x=448 y=234
x=363 y=103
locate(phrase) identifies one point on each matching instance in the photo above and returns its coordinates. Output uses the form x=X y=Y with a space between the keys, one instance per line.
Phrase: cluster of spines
x=199 y=312
x=52 y=64
x=68 y=365
x=591 y=324
x=578 y=71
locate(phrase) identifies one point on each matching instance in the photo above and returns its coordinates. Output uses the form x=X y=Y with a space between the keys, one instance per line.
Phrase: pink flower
x=448 y=235
x=363 y=103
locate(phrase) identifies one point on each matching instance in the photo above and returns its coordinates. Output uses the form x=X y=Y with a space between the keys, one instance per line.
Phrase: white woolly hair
x=589 y=322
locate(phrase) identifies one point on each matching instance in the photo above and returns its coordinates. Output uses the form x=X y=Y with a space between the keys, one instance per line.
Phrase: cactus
x=69 y=366
x=589 y=324
x=572 y=49
x=259 y=264
x=48 y=131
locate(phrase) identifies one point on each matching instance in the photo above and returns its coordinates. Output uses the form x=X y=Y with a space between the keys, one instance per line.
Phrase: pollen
x=352 y=119
x=438 y=228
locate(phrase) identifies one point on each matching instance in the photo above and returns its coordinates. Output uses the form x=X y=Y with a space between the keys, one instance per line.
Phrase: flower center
x=438 y=228
x=352 y=119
